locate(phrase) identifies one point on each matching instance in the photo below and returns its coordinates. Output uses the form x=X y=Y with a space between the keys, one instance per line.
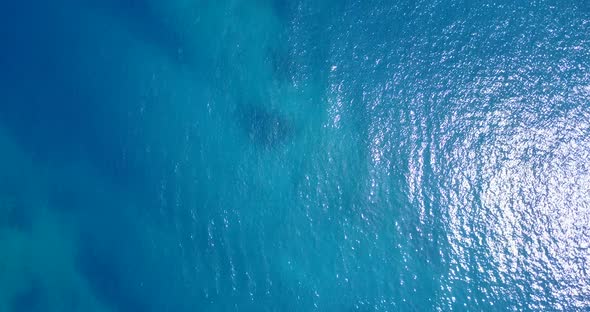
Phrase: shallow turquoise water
x=295 y=156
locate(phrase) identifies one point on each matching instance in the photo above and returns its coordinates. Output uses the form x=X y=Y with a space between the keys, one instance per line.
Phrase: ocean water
x=268 y=155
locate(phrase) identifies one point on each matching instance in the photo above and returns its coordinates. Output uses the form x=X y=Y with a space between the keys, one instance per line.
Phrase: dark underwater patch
x=106 y=278
x=265 y=127
x=21 y=218
x=14 y=213
x=30 y=300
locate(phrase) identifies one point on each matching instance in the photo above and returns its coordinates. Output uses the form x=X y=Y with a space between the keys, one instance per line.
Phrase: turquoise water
x=295 y=156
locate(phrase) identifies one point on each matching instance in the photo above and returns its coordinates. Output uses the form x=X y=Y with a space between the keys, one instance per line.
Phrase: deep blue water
x=272 y=155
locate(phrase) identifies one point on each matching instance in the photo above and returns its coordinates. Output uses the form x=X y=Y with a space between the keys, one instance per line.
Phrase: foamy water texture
x=300 y=155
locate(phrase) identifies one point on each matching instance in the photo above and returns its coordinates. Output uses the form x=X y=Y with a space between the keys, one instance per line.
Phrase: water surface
x=295 y=156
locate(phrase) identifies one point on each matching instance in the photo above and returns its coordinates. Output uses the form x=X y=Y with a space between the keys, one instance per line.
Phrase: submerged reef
x=265 y=127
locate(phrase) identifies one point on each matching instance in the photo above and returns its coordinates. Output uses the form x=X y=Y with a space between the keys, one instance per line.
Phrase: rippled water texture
x=271 y=155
